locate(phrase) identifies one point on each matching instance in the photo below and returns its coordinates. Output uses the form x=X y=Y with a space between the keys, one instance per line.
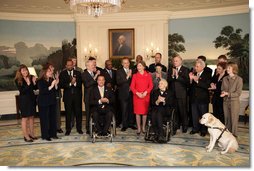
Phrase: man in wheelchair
x=102 y=100
x=160 y=112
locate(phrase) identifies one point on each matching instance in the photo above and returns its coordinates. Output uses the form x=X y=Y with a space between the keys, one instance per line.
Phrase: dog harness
x=222 y=131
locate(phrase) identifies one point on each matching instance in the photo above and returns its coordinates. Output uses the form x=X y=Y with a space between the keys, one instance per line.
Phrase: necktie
x=127 y=70
x=110 y=73
x=91 y=73
x=101 y=91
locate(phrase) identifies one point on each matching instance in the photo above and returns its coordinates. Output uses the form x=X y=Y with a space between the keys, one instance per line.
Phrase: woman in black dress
x=160 y=107
x=26 y=85
x=215 y=86
x=47 y=104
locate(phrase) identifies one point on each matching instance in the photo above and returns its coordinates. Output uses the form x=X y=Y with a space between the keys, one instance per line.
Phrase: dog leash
x=222 y=131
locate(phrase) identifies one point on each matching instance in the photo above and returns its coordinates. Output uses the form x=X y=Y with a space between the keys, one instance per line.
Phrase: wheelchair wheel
x=111 y=138
x=147 y=134
x=94 y=137
x=168 y=131
x=91 y=127
x=113 y=126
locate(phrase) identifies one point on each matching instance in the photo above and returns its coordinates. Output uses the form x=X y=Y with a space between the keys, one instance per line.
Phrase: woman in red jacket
x=141 y=86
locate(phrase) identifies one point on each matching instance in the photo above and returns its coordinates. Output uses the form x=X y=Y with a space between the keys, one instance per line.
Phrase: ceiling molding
x=128 y=16
x=210 y=12
x=37 y=17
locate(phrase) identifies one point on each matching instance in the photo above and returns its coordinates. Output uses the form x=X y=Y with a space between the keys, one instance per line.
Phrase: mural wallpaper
x=33 y=43
x=192 y=37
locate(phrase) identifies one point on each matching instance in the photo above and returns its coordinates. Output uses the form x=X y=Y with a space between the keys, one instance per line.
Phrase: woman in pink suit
x=141 y=86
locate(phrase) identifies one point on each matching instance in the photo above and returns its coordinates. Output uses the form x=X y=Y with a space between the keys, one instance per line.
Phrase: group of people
x=130 y=94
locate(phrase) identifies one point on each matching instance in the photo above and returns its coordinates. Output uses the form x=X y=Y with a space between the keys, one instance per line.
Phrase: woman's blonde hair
x=234 y=67
x=164 y=82
x=19 y=77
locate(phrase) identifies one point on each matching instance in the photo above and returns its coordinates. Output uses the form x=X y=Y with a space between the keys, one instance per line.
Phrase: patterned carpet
x=127 y=149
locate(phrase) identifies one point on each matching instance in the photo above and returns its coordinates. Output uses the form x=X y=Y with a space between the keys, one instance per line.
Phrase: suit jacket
x=168 y=99
x=233 y=86
x=217 y=91
x=123 y=84
x=199 y=91
x=124 y=50
x=208 y=70
x=180 y=84
x=152 y=68
x=46 y=97
x=156 y=81
x=108 y=78
x=70 y=90
x=95 y=97
x=88 y=82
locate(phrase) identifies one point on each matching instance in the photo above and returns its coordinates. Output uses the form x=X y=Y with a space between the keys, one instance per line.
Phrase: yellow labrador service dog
x=218 y=133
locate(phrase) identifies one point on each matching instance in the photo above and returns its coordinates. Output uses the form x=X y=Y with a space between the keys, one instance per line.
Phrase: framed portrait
x=121 y=43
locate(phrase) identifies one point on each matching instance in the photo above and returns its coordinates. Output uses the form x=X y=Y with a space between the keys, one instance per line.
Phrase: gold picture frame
x=121 y=43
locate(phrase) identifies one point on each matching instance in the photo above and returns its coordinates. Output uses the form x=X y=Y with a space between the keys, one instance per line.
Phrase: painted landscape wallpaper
x=33 y=43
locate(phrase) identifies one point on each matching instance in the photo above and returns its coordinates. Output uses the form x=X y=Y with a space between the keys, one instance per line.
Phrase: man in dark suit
x=110 y=81
x=123 y=80
x=95 y=64
x=200 y=82
x=88 y=78
x=179 y=81
x=122 y=49
x=110 y=75
x=70 y=81
x=157 y=58
x=102 y=100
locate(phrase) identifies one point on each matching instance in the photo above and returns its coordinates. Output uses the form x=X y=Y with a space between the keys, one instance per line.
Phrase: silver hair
x=164 y=82
x=201 y=62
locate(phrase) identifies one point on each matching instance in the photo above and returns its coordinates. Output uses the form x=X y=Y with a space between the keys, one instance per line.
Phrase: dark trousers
x=118 y=113
x=157 y=121
x=181 y=112
x=127 y=112
x=198 y=109
x=47 y=121
x=73 y=106
x=87 y=110
x=102 y=120
x=218 y=109
x=58 y=113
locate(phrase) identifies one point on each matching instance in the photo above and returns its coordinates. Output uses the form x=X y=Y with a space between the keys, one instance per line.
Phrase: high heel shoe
x=138 y=133
x=33 y=138
x=26 y=140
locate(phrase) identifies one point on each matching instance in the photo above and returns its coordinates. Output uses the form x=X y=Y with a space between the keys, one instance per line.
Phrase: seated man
x=101 y=102
x=160 y=108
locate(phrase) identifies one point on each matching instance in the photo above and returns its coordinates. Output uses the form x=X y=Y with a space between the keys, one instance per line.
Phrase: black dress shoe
x=59 y=131
x=184 y=130
x=26 y=140
x=67 y=133
x=123 y=129
x=33 y=138
x=133 y=127
x=202 y=134
x=80 y=132
x=56 y=137
x=88 y=132
x=193 y=132
x=47 y=139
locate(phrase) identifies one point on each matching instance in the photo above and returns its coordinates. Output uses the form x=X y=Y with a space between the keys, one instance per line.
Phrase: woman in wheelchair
x=160 y=108
x=102 y=100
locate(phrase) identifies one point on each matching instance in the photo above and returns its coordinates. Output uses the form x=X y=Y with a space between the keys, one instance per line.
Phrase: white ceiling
x=59 y=6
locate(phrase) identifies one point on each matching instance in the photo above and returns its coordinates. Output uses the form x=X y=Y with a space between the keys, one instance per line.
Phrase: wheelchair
x=93 y=133
x=168 y=124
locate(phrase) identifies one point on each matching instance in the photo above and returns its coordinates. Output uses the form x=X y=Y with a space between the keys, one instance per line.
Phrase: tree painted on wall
x=175 y=46
x=238 y=48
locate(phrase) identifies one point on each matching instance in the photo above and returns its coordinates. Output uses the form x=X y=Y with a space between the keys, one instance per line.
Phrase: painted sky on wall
x=199 y=33
x=50 y=34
